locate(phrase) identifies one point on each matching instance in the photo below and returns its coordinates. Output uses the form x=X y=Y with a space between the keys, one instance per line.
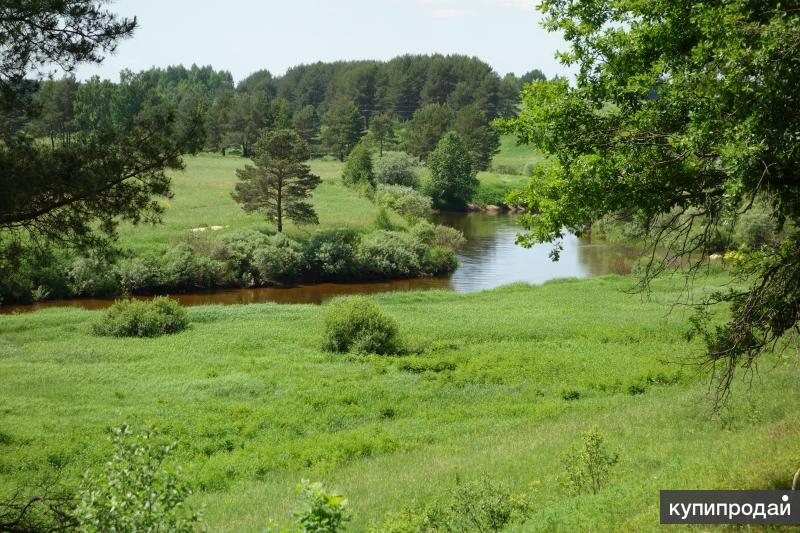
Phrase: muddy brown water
x=489 y=259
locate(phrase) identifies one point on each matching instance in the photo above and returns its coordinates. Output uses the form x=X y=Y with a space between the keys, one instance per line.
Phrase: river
x=489 y=258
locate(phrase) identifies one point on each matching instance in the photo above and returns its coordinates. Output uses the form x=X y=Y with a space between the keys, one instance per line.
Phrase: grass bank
x=256 y=405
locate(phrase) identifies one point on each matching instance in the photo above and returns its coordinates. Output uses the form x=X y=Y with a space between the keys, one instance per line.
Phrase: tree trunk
x=279 y=204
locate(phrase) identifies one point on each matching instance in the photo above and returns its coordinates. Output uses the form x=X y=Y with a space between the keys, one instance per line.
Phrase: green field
x=256 y=406
x=202 y=198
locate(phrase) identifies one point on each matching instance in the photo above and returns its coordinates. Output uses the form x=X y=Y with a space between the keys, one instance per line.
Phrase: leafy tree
x=306 y=122
x=684 y=115
x=358 y=169
x=426 y=127
x=342 y=127
x=453 y=181
x=280 y=182
x=481 y=139
x=381 y=130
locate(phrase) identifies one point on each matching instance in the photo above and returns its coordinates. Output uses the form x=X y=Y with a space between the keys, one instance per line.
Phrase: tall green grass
x=257 y=405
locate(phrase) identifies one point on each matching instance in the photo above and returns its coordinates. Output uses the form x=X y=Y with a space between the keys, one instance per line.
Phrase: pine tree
x=342 y=127
x=280 y=182
x=381 y=130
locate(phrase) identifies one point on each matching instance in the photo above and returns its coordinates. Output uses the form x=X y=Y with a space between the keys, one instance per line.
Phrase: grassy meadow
x=202 y=198
x=504 y=381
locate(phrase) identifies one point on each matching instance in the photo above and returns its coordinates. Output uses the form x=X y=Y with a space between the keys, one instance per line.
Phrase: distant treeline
x=330 y=104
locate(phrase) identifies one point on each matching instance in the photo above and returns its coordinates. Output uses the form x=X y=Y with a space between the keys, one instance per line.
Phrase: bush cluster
x=242 y=259
x=398 y=168
x=138 y=318
x=356 y=324
x=407 y=201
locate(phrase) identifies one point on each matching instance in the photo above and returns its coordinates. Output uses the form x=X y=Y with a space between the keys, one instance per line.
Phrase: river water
x=489 y=259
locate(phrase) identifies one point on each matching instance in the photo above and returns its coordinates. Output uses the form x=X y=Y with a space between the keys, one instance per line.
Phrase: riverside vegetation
x=474 y=395
x=206 y=241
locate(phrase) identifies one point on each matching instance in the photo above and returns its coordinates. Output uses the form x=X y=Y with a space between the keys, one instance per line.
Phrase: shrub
x=358 y=170
x=388 y=254
x=135 y=492
x=405 y=200
x=438 y=235
x=587 y=465
x=475 y=506
x=138 y=318
x=356 y=324
x=506 y=169
x=137 y=274
x=754 y=229
x=439 y=260
x=398 y=168
x=240 y=248
x=91 y=276
x=183 y=269
x=383 y=220
x=492 y=194
x=320 y=510
x=332 y=255
x=280 y=262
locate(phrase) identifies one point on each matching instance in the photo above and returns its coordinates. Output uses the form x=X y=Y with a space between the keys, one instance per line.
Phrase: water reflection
x=489 y=259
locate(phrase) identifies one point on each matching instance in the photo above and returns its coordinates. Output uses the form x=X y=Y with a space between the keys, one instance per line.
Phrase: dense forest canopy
x=302 y=97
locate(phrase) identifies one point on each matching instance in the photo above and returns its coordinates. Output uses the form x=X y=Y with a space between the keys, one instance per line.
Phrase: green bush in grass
x=355 y=324
x=138 y=318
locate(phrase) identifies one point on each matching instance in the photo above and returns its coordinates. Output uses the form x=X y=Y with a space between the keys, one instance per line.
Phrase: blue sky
x=243 y=36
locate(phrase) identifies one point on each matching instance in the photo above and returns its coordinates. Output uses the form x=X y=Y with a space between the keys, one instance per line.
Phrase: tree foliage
x=342 y=127
x=281 y=182
x=453 y=181
x=381 y=129
x=426 y=128
x=77 y=188
x=685 y=116
x=358 y=169
x=481 y=139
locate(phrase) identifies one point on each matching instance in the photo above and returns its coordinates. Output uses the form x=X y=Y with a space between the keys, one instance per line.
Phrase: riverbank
x=504 y=381
x=488 y=258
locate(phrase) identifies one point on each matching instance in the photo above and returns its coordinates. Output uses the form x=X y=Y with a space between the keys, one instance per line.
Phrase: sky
x=243 y=36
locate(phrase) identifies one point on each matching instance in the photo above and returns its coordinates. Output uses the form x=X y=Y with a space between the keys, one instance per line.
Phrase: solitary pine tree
x=453 y=181
x=280 y=181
